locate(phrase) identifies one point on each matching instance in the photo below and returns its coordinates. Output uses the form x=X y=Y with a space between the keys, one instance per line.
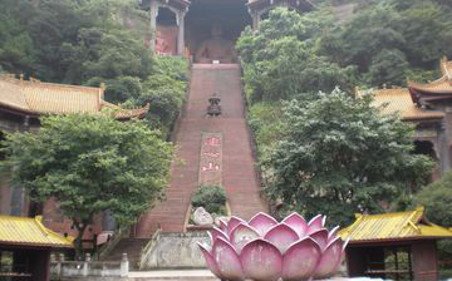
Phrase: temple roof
x=399 y=101
x=22 y=231
x=304 y=5
x=440 y=86
x=409 y=225
x=35 y=98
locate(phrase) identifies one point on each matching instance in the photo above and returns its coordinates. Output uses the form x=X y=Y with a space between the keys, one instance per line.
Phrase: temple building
x=395 y=246
x=25 y=247
x=206 y=30
x=429 y=107
x=22 y=102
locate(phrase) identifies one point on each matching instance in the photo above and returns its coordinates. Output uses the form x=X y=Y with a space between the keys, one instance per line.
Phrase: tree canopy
x=91 y=164
x=437 y=198
x=91 y=42
x=340 y=156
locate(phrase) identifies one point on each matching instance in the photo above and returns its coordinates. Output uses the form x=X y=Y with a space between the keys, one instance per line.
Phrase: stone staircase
x=131 y=246
x=238 y=171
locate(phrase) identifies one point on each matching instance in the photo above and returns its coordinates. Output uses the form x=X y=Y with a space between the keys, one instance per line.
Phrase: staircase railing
x=106 y=249
x=148 y=248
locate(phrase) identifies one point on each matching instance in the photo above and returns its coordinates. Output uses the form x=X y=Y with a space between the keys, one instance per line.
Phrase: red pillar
x=424 y=261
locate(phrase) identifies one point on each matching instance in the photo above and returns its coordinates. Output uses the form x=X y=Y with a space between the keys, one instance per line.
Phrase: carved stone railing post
x=85 y=269
x=153 y=10
x=59 y=269
x=181 y=33
x=124 y=265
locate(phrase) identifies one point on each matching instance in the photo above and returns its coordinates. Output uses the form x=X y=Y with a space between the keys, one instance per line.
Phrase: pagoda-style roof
x=439 y=89
x=30 y=232
x=178 y=4
x=32 y=97
x=390 y=227
x=399 y=101
x=302 y=5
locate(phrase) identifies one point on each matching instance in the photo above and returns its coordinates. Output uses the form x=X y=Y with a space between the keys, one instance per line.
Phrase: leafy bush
x=340 y=156
x=212 y=198
x=437 y=198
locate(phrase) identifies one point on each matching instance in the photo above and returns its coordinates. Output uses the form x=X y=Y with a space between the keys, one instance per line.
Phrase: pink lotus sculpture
x=264 y=250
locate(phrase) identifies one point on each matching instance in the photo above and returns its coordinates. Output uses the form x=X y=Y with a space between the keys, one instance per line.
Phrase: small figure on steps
x=214 y=108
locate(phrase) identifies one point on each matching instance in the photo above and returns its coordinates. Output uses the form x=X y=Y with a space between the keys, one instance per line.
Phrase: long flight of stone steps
x=238 y=174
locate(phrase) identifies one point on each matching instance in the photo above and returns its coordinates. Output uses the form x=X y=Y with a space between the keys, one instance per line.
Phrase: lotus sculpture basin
x=263 y=249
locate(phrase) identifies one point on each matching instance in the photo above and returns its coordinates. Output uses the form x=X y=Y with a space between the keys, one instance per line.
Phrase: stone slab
x=175 y=251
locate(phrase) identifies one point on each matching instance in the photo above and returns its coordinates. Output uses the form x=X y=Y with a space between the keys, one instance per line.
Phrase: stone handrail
x=106 y=249
x=148 y=248
x=60 y=268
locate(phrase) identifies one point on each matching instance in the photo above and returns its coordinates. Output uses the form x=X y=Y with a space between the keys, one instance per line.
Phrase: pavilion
x=399 y=246
x=428 y=107
x=22 y=102
x=25 y=246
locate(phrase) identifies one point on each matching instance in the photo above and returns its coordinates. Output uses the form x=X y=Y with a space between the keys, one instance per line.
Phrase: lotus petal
x=316 y=223
x=262 y=222
x=282 y=236
x=233 y=222
x=297 y=222
x=227 y=260
x=215 y=233
x=261 y=261
x=210 y=261
x=242 y=234
x=321 y=237
x=330 y=259
x=223 y=225
x=300 y=260
x=332 y=233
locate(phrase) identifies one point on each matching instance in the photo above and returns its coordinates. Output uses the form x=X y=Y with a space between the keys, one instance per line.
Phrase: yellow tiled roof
x=441 y=86
x=446 y=67
x=393 y=226
x=34 y=97
x=22 y=231
x=399 y=101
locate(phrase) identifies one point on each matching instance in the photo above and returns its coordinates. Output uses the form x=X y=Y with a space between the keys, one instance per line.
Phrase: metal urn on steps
x=263 y=249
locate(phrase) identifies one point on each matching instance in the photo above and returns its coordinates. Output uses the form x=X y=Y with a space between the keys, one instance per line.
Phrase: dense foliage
x=91 y=42
x=341 y=156
x=383 y=42
x=437 y=198
x=291 y=57
x=212 y=198
x=91 y=164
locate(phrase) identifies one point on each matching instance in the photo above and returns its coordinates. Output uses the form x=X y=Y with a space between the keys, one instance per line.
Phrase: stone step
x=131 y=246
x=189 y=275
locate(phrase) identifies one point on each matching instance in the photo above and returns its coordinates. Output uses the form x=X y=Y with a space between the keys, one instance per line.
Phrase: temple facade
x=22 y=102
x=395 y=246
x=206 y=30
x=429 y=107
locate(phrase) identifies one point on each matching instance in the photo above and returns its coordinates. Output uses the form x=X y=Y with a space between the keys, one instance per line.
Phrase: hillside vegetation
x=91 y=42
x=315 y=143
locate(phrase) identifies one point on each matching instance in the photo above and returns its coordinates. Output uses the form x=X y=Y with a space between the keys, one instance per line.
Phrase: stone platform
x=206 y=275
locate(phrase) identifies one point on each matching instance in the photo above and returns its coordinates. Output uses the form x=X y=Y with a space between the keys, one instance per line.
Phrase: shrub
x=212 y=198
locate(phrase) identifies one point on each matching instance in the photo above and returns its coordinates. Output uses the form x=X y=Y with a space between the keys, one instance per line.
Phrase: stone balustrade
x=60 y=269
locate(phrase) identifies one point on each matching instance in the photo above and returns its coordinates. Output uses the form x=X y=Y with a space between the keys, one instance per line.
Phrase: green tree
x=281 y=61
x=437 y=198
x=341 y=156
x=90 y=164
x=388 y=67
